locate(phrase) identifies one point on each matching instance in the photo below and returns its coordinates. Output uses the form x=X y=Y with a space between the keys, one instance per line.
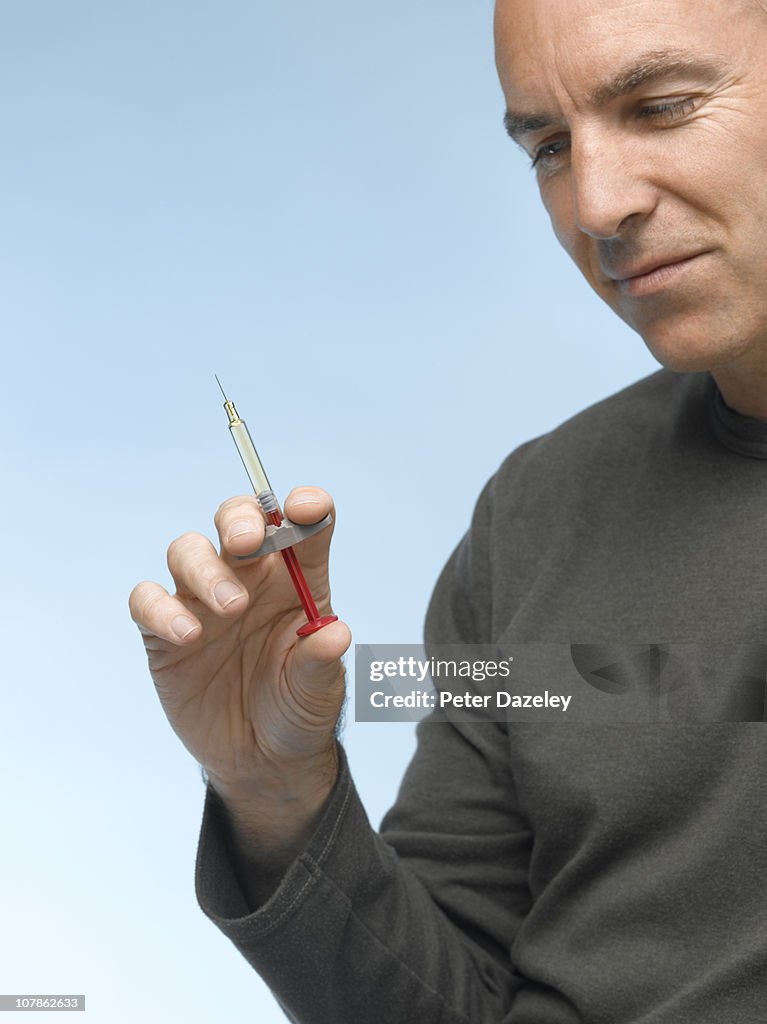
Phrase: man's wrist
x=266 y=829
x=271 y=820
x=270 y=790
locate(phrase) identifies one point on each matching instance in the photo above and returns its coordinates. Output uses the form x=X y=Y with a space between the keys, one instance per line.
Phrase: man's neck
x=743 y=390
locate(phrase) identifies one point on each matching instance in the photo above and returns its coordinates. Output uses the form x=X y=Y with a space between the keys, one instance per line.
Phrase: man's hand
x=254 y=704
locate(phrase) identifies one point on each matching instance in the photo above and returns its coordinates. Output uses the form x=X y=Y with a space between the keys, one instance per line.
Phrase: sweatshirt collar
x=742 y=434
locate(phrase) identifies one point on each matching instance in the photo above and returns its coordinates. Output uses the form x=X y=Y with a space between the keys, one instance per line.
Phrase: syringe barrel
x=249 y=456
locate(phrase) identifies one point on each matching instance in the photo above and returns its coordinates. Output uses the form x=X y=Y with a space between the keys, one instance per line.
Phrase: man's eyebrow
x=519 y=125
x=656 y=66
x=652 y=67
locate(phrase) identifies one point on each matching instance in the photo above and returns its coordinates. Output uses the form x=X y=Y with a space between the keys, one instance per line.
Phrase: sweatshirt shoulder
x=619 y=426
x=606 y=438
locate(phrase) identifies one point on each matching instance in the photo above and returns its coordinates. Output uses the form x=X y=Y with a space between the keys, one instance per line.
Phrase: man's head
x=647 y=121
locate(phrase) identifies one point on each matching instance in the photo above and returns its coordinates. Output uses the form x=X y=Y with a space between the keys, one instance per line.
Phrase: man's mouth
x=652 y=275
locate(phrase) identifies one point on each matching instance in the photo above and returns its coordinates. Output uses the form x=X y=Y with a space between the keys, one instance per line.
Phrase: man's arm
x=415 y=922
x=354 y=933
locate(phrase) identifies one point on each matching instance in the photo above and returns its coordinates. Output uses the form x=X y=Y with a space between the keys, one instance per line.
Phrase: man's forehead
x=582 y=43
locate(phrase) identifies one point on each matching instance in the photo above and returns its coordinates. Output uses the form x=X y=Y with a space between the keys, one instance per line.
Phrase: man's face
x=648 y=123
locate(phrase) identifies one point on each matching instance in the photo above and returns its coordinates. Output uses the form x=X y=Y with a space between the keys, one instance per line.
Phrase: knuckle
x=310 y=491
x=240 y=502
x=313 y=497
x=178 y=548
x=240 y=508
x=151 y=607
x=135 y=598
x=143 y=599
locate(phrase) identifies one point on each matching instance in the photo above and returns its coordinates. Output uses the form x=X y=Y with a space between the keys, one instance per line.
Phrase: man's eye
x=547 y=156
x=670 y=110
x=544 y=155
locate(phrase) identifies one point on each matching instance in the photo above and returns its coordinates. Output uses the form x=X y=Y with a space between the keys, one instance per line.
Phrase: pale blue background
x=318 y=195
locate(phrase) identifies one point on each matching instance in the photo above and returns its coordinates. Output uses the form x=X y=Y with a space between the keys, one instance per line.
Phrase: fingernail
x=227 y=592
x=240 y=529
x=183 y=626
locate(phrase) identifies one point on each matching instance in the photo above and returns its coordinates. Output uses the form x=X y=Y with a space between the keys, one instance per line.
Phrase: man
x=531 y=874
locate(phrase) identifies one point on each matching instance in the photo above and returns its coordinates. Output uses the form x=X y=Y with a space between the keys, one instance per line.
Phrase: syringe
x=273 y=514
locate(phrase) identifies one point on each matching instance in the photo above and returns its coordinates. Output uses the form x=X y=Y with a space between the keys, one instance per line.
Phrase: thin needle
x=273 y=515
x=222 y=390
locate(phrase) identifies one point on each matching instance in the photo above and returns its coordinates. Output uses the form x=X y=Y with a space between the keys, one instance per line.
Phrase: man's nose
x=610 y=189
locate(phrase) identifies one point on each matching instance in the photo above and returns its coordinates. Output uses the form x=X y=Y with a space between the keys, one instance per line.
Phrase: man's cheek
x=561 y=215
x=581 y=249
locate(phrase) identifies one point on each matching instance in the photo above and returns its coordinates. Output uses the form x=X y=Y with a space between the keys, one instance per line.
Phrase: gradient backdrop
x=318 y=202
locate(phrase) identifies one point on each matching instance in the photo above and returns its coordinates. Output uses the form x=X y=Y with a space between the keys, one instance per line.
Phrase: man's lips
x=644 y=269
x=653 y=276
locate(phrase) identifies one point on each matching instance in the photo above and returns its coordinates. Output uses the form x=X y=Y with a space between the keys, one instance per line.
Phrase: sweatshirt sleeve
x=414 y=922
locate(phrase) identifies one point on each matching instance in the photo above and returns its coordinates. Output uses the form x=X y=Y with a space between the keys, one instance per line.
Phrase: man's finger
x=318 y=671
x=240 y=525
x=198 y=570
x=308 y=505
x=156 y=613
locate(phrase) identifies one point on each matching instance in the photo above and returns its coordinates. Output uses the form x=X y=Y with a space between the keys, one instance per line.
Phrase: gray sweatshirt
x=569 y=873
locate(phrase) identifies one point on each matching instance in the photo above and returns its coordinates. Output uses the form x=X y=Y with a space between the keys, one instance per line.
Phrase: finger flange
x=286 y=536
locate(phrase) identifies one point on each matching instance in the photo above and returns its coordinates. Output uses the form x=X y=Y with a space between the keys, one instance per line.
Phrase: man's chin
x=685 y=359
x=690 y=345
